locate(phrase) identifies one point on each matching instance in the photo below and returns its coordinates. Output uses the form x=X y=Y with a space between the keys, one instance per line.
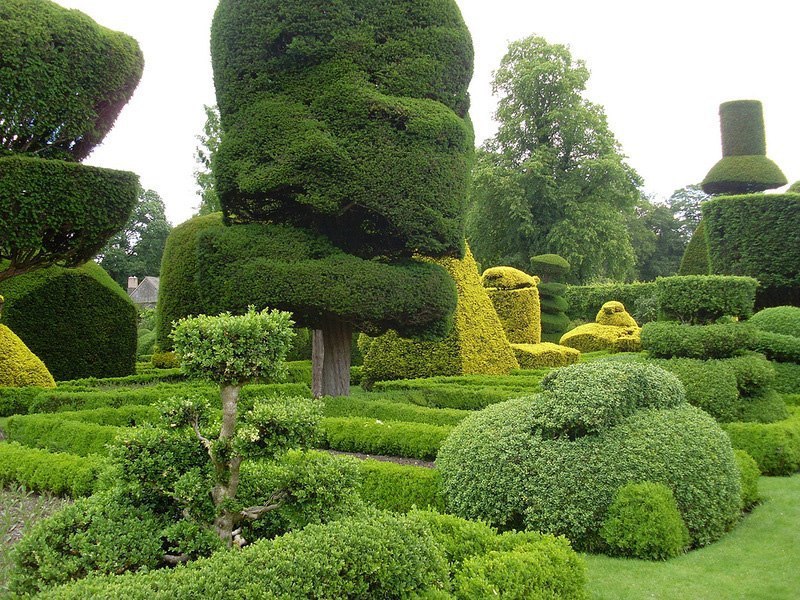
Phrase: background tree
x=204 y=155
x=344 y=153
x=137 y=249
x=685 y=206
x=553 y=179
x=64 y=80
x=658 y=239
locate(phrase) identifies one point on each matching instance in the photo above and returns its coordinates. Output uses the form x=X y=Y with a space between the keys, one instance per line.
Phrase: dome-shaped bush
x=554 y=462
x=778 y=319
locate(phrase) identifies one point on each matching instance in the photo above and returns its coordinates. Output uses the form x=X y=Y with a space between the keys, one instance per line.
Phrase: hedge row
x=400 y=488
x=705 y=298
x=777 y=346
x=667 y=339
x=56 y=435
x=387 y=410
x=787 y=377
x=393 y=438
x=43 y=471
x=774 y=446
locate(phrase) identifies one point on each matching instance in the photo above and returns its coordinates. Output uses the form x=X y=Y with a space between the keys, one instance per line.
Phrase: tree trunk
x=227 y=473
x=317 y=360
x=336 y=337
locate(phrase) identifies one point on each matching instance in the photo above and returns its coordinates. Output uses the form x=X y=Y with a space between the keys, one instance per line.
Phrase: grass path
x=759 y=560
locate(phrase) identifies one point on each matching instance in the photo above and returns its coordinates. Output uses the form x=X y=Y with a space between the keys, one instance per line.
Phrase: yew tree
x=345 y=151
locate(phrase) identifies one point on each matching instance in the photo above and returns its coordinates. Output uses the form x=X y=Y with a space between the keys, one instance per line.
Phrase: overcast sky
x=660 y=69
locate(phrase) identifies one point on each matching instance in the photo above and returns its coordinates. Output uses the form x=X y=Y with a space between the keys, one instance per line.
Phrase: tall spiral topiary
x=64 y=80
x=345 y=133
x=744 y=167
x=552 y=269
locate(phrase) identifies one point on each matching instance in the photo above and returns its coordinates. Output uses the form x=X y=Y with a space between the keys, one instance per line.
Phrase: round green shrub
x=778 y=319
x=643 y=521
x=777 y=346
x=553 y=462
x=766 y=406
x=794 y=188
x=749 y=472
x=78 y=321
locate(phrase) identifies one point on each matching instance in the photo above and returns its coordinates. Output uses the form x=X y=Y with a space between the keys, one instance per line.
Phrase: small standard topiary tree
x=64 y=80
x=232 y=351
x=744 y=167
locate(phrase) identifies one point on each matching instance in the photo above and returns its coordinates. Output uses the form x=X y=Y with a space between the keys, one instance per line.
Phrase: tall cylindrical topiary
x=744 y=167
x=516 y=301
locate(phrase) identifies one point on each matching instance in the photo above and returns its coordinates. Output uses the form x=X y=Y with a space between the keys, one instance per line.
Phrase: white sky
x=660 y=69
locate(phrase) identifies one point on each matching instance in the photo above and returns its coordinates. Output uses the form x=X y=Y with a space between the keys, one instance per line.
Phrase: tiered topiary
x=64 y=80
x=751 y=234
x=516 y=301
x=551 y=269
x=19 y=367
x=78 y=321
x=476 y=345
x=555 y=462
x=614 y=329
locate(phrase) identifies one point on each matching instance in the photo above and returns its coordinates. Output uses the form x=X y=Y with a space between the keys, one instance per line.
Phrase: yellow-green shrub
x=614 y=329
x=544 y=354
x=477 y=343
x=613 y=313
x=19 y=367
x=516 y=301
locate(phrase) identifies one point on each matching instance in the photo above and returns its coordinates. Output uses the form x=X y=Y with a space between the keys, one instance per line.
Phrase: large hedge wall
x=705 y=298
x=757 y=235
x=476 y=345
x=64 y=79
x=78 y=321
x=353 y=125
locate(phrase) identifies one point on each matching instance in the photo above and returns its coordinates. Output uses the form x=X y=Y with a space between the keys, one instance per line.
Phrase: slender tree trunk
x=227 y=472
x=317 y=360
x=337 y=337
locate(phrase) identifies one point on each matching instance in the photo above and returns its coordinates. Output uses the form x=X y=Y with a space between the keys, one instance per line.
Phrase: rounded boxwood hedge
x=78 y=321
x=784 y=320
x=705 y=298
x=554 y=462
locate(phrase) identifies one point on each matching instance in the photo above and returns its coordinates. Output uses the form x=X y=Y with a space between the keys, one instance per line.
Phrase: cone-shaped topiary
x=476 y=345
x=695 y=257
x=744 y=167
x=19 y=367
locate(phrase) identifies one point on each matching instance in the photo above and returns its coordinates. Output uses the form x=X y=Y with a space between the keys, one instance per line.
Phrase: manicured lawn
x=759 y=560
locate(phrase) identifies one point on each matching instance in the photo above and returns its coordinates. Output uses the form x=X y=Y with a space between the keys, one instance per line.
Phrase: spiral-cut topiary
x=744 y=167
x=554 y=462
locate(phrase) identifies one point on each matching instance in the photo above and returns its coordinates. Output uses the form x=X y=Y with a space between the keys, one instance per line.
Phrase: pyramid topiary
x=19 y=367
x=476 y=345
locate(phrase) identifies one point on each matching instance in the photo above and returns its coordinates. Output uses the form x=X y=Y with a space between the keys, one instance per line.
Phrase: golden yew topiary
x=614 y=329
x=19 y=367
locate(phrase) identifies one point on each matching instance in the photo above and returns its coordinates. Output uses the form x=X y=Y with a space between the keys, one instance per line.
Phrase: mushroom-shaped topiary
x=555 y=461
x=744 y=167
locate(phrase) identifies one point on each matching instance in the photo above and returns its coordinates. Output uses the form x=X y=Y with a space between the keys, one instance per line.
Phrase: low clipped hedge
x=668 y=339
x=545 y=355
x=386 y=410
x=43 y=471
x=774 y=446
x=777 y=346
x=585 y=300
x=57 y=435
x=705 y=298
x=749 y=471
x=400 y=488
x=394 y=438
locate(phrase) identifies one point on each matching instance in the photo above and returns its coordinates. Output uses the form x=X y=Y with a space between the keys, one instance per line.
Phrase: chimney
x=133 y=283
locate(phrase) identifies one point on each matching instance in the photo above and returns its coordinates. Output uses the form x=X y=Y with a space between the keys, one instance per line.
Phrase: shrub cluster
x=774 y=446
x=554 y=462
x=42 y=471
x=705 y=298
x=667 y=339
x=399 y=488
x=777 y=346
x=393 y=438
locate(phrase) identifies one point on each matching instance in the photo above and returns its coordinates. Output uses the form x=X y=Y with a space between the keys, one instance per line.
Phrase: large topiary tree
x=347 y=138
x=64 y=80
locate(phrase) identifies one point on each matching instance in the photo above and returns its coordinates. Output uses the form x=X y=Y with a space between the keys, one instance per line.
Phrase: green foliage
x=776 y=346
x=399 y=488
x=58 y=212
x=93 y=535
x=42 y=471
x=742 y=125
x=553 y=179
x=787 y=377
x=232 y=350
x=749 y=471
x=138 y=248
x=614 y=330
x=544 y=355
x=518 y=463
x=710 y=385
x=165 y=360
x=388 y=410
x=204 y=157
x=65 y=79
x=668 y=339
x=695 y=259
x=658 y=239
x=755 y=235
x=78 y=321
x=583 y=300
x=778 y=319
x=57 y=435
x=19 y=367
x=705 y=298
x=550 y=267
x=774 y=446
x=643 y=521
x=393 y=438
x=518 y=308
